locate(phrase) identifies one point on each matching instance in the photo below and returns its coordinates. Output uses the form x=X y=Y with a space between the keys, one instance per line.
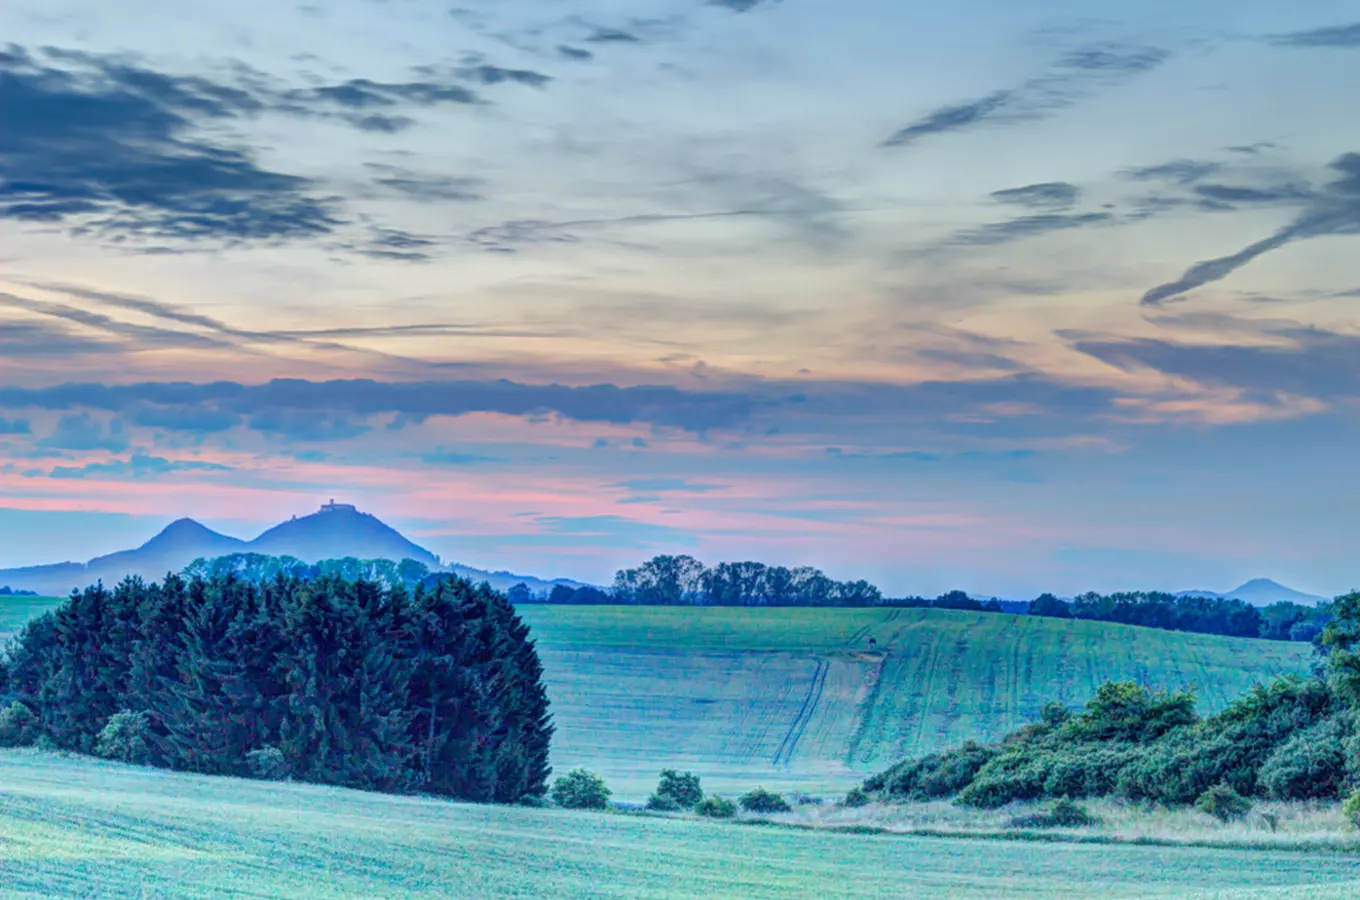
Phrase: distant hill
x=335 y=531
x=1261 y=592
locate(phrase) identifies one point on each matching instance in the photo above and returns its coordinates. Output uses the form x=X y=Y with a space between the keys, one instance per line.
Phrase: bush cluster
x=1291 y=740
x=762 y=801
x=325 y=680
x=714 y=807
x=1063 y=814
x=581 y=789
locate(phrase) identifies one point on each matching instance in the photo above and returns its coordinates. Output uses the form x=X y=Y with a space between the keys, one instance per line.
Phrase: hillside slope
x=817 y=699
x=73 y=827
x=801 y=698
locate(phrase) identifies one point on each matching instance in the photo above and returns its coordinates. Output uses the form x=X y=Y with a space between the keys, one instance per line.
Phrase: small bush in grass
x=18 y=726
x=856 y=798
x=716 y=808
x=124 y=737
x=1223 y=803
x=580 y=789
x=269 y=763
x=763 y=801
x=682 y=787
x=663 y=803
x=1351 y=809
x=1063 y=814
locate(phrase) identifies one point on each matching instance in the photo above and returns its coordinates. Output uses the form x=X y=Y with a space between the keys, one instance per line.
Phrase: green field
x=72 y=827
x=799 y=699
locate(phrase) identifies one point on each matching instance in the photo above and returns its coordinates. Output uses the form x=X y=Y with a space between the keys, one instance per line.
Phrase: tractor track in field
x=783 y=755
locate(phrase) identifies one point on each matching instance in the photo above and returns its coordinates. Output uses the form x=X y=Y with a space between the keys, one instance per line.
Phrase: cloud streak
x=1332 y=211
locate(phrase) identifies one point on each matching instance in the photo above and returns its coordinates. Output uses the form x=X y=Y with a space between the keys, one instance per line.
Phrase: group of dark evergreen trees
x=327 y=680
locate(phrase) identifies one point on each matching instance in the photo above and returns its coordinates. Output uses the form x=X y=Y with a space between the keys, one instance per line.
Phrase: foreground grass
x=72 y=827
x=818 y=699
x=1270 y=825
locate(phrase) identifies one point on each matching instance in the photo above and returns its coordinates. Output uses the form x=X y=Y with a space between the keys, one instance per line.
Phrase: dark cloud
x=741 y=6
x=574 y=53
x=197 y=419
x=117 y=150
x=1177 y=171
x=443 y=457
x=308 y=424
x=612 y=36
x=15 y=426
x=1026 y=227
x=951 y=118
x=1334 y=36
x=19 y=340
x=1254 y=149
x=136 y=466
x=1331 y=211
x=428 y=188
x=393 y=244
x=82 y=431
x=1303 y=361
x=144 y=336
x=1071 y=79
x=110 y=146
x=1049 y=194
x=667 y=485
x=486 y=74
x=1240 y=194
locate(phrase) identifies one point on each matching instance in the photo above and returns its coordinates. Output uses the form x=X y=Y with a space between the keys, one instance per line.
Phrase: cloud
x=19 y=340
x=442 y=457
x=615 y=531
x=82 y=431
x=136 y=466
x=15 y=426
x=1071 y=79
x=1333 y=210
x=426 y=188
x=1026 y=227
x=574 y=53
x=143 y=335
x=1334 y=36
x=1049 y=194
x=308 y=424
x=1301 y=361
x=109 y=147
x=1177 y=171
x=1236 y=194
x=489 y=75
x=666 y=485
x=740 y=6
x=612 y=36
x=393 y=244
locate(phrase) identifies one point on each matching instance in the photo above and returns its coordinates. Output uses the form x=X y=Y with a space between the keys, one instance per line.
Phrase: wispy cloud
x=1070 y=80
x=1332 y=210
x=1332 y=36
x=1047 y=195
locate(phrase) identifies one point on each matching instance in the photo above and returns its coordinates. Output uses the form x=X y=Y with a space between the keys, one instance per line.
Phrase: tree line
x=326 y=680
x=1295 y=739
x=685 y=581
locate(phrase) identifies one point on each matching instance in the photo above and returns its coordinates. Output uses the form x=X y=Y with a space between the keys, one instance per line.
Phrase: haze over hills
x=335 y=531
x=1261 y=592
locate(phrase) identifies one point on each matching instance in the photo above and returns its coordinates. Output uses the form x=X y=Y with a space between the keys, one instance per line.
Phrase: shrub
x=934 y=776
x=1351 y=809
x=268 y=763
x=663 y=803
x=763 y=801
x=18 y=726
x=1311 y=765
x=580 y=789
x=856 y=798
x=1125 y=710
x=1054 y=713
x=124 y=737
x=683 y=787
x=716 y=808
x=1064 y=814
x=1223 y=803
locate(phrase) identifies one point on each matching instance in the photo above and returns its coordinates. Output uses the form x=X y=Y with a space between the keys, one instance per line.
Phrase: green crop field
x=72 y=827
x=15 y=611
x=799 y=699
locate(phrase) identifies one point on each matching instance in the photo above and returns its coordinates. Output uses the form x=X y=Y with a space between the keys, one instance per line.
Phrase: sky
x=983 y=295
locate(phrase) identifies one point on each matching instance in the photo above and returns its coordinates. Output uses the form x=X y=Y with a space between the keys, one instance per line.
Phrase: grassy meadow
x=800 y=699
x=814 y=700
x=77 y=827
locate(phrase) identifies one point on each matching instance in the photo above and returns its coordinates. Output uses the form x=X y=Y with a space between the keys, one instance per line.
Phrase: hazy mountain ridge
x=333 y=532
x=1261 y=592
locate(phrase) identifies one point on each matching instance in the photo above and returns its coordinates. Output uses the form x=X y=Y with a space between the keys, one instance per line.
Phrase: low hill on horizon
x=1261 y=592
x=335 y=531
